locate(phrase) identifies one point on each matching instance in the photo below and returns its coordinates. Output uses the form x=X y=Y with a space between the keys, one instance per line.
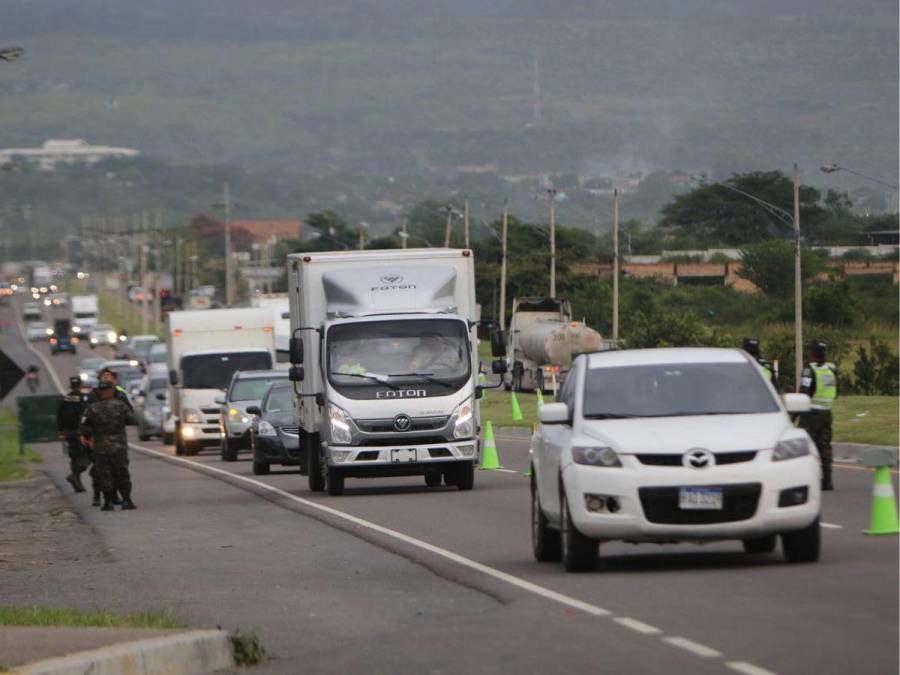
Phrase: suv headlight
x=265 y=429
x=340 y=425
x=191 y=416
x=464 y=427
x=593 y=456
x=791 y=449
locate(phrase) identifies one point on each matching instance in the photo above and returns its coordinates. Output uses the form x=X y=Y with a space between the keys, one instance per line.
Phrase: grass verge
x=248 y=651
x=496 y=406
x=867 y=419
x=12 y=465
x=42 y=616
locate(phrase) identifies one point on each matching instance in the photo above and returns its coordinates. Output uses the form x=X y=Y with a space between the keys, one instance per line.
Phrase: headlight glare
x=192 y=416
x=593 y=456
x=464 y=426
x=791 y=449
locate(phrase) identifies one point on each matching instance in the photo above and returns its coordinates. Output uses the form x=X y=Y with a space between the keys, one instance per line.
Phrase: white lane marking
x=831 y=526
x=639 y=626
x=505 y=470
x=692 y=647
x=49 y=367
x=748 y=668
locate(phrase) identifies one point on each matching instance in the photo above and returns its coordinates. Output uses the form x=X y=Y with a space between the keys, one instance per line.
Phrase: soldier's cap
x=751 y=342
x=75 y=381
x=104 y=385
x=818 y=346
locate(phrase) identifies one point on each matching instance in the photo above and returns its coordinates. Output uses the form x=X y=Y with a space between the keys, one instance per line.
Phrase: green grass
x=42 y=616
x=123 y=315
x=12 y=465
x=867 y=419
x=496 y=406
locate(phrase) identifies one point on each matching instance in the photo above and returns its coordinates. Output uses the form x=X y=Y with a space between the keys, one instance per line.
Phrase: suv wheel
x=578 y=552
x=802 y=545
x=229 y=451
x=260 y=468
x=335 y=480
x=544 y=541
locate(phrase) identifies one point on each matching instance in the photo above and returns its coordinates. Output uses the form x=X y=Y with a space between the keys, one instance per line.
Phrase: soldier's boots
x=96 y=501
x=116 y=499
x=108 y=502
x=75 y=481
x=127 y=504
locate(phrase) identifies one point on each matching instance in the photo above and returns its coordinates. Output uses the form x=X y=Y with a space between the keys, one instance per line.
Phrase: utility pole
x=362 y=239
x=615 y=317
x=404 y=235
x=143 y=259
x=798 y=290
x=551 y=193
x=503 y=266
x=466 y=223
x=229 y=281
x=157 y=272
x=448 y=226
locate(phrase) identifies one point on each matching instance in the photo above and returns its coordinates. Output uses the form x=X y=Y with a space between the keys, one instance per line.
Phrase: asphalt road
x=396 y=576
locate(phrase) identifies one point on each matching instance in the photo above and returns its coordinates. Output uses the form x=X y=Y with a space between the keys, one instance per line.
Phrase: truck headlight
x=265 y=429
x=48 y=331
x=76 y=329
x=111 y=336
x=596 y=456
x=191 y=416
x=790 y=449
x=340 y=425
x=464 y=427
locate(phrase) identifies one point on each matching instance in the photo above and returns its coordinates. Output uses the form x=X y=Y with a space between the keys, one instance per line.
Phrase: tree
x=716 y=215
x=769 y=265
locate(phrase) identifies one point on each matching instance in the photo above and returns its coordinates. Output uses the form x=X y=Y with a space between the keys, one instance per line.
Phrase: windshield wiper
x=428 y=377
x=609 y=416
x=378 y=377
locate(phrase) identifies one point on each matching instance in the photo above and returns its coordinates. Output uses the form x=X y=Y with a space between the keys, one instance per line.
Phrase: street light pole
x=229 y=282
x=502 y=314
x=798 y=288
x=448 y=226
x=466 y=224
x=551 y=193
x=615 y=317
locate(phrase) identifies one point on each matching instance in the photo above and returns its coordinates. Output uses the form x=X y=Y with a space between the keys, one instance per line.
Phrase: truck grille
x=381 y=426
x=676 y=460
x=660 y=505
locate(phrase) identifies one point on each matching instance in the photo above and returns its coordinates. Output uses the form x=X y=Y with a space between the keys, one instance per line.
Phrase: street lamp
x=834 y=168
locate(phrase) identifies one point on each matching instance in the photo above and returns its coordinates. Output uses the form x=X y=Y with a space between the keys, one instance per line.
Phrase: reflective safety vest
x=767 y=367
x=826 y=385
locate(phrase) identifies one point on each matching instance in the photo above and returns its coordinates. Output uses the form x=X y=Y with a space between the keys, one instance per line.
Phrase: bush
x=672 y=329
x=875 y=372
x=829 y=305
x=769 y=265
x=777 y=344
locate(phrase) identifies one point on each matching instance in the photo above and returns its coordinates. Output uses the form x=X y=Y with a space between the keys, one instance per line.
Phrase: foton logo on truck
x=401 y=393
x=392 y=283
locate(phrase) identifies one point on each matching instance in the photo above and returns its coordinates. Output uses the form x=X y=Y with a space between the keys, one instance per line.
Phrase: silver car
x=246 y=389
x=152 y=397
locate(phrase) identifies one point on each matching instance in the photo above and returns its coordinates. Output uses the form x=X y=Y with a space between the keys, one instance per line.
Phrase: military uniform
x=120 y=395
x=104 y=421
x=68 y=420
x=819 y=381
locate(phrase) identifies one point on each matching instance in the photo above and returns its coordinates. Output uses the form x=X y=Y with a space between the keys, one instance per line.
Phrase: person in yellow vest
x=819 y=381
x=751 y=346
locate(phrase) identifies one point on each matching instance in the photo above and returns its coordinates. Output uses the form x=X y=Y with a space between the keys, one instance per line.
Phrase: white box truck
x=84 y=313
x=205 y=348
x=279 y=305
x=384 y=348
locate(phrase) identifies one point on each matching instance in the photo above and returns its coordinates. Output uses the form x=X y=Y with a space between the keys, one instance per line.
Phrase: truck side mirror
x=296 y=374
x=173 y=378
x=498 y=343
x=498 y=366
x=295 y=350
x=254 y=410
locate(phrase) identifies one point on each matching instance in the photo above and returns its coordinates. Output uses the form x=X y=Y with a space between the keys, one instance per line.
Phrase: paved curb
x=855 y=452
x=189 y=653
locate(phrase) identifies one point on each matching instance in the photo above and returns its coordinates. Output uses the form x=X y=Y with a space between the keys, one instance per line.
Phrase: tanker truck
x=543 y=339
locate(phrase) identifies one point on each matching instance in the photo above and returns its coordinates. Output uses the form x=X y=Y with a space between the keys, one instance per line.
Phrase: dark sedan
x=274 y=436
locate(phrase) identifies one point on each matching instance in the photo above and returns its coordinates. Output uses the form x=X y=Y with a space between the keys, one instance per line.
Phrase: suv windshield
x=253 y=389
x=394 y=352
x=280 y=400
x=676 y=390
x=214 y=371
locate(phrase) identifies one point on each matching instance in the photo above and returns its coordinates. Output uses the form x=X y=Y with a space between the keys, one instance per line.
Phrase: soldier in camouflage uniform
x=68 y=419
x=103 y=427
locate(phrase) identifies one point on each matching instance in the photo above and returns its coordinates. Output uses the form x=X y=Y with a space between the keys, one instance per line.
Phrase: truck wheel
x=229 y=451
x=545 y=542
x=315 y=465
x=335 y=480
x=93 y=346
x=168 y=439
x=260 y=468
x=578 y=552
x=465 y=476
x=760 y=544
x=180 y=450
x=802 y=545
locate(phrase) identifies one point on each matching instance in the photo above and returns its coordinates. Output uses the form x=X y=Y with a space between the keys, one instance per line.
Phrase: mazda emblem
x=698 y=458
x=402 y=423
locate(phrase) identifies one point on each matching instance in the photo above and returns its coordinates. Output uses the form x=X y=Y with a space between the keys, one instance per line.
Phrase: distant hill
x=404 y=87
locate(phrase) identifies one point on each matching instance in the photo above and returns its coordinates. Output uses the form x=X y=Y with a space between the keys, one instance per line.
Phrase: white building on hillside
x=66 y=151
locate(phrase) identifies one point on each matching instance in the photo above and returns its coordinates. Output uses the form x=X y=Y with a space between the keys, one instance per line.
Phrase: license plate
x=400 y=455
x=700 y=498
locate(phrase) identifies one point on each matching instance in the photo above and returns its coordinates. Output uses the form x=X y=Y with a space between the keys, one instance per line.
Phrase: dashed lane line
x=568 y=601
x=748 y=668
x=831 y=526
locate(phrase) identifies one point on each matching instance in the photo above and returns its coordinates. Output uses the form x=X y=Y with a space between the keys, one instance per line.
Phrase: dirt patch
x=40 y=528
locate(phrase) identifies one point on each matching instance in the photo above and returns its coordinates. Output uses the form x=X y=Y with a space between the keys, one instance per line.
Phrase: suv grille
x=676 y=460
x=291 y=431
x=660 y=505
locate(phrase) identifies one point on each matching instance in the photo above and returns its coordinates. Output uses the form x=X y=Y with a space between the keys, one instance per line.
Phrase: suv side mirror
x=296 y=374
x=160 y=397
x=797 y=404
x=554 y=413
x=220 y=400
x=498 y=343
x=295 y=350
x=173 y=378
x=253 y=410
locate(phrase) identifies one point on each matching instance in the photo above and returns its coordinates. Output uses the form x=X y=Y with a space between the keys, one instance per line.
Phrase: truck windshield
x=214 y=371
x=678 y=390
x=434 y=351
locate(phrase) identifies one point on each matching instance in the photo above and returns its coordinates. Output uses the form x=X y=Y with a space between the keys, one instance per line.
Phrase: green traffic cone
x=516 y=410
x=884 y=505
x=482 y=378
x=489 y=458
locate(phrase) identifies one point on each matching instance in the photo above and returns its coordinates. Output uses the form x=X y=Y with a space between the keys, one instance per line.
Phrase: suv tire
x=578 y=552
x=802 y=546
x=545 y=541
x=229 y=451
x=334 y=478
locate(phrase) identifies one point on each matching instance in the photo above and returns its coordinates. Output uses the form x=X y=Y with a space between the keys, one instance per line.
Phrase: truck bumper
x=399 y=460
